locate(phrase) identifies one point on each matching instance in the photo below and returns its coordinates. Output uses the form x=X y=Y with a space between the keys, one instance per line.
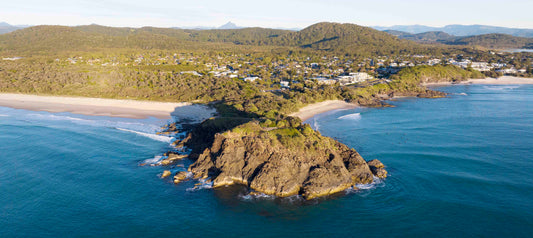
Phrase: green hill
x=495 y=41
x=333 y=37
x=426 y=37
x=492 y=41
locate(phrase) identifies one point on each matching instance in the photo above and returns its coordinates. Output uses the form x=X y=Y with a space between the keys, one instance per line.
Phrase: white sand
x=500 y=81
x=321 y=107
x=103 y=107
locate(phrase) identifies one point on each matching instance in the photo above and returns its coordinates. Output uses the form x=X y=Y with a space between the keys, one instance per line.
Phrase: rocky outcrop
x=166 y=173
x=377 y=168
x=281 y=162
x=180 y=177
x=172 y=158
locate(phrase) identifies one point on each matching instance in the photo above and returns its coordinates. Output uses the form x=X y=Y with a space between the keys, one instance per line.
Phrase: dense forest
x=338 y=38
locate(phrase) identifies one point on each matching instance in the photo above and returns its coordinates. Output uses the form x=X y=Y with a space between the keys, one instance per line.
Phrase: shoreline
x=505 y=80
x=312 y=110
x=134 y=109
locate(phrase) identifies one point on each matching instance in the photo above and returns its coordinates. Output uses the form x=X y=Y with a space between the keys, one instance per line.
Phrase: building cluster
x=287 y=69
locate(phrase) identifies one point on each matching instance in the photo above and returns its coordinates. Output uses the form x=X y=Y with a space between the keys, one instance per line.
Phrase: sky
x=267 y=13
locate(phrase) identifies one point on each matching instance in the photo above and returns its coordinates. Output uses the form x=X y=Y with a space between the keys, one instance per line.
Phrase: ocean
x=459 y=166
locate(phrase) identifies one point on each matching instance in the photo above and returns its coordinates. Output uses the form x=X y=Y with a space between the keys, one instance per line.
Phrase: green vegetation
x=490 y=41
x=209 y=66
x=495 y=41
x=330 y=37
x=435 y=74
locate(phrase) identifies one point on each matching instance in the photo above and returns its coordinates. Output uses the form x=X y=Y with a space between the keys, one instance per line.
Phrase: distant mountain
x=412 y=29
x=461 y=30
x=6 y=28
x=492 y=41
x=229 y=26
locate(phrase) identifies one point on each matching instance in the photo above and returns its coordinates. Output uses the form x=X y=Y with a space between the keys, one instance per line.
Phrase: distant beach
x=321 y=107
x=92 y=106
x=500 y=81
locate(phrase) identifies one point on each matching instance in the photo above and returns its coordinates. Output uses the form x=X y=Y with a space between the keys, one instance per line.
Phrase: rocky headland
x=282 y=159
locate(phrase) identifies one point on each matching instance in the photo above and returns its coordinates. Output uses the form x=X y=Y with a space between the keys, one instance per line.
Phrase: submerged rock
x=281 y=162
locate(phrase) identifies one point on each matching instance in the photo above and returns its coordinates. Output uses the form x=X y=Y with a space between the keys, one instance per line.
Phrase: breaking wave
x=153 y=161
x=354 y=116
x=148 y=135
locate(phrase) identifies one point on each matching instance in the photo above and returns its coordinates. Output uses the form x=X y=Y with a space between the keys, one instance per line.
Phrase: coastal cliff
x=283 y=161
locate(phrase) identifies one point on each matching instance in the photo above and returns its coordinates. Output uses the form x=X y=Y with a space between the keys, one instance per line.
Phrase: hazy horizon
x=242 y=26
x=275 y=14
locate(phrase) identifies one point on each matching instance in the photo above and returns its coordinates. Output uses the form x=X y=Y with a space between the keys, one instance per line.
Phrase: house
x=251 y=79
x=481 y=66
x=191 y=72
x=284 y=84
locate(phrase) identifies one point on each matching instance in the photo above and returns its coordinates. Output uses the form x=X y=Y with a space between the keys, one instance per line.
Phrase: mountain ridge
x=460 y=30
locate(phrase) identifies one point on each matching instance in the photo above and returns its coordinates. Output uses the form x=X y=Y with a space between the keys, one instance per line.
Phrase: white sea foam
x=151 y=136
x=144 y=126
x=358 y=187
x=203 y=185
x=154 y=160
x=462 y=94
x=353 y=116
x=315 y=124
x=502 y=87
x=261 y=196
x=2 y=115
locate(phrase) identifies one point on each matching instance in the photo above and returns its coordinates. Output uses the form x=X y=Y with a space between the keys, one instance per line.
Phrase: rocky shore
x=286 y=161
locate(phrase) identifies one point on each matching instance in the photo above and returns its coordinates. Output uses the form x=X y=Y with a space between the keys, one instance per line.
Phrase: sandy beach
x=96 y=106
x=497 y=81
x=321 y=107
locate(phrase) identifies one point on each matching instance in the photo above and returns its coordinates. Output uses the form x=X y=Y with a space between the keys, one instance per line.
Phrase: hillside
x=492 y=41
x=56 y=39
x=426 y=37
x=348 y=38
x=495 y=41
x=334 y=37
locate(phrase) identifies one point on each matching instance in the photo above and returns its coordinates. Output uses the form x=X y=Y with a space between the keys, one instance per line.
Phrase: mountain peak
x=229 y=25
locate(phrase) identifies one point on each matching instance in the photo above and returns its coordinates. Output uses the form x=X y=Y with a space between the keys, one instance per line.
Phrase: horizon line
x=258 y=26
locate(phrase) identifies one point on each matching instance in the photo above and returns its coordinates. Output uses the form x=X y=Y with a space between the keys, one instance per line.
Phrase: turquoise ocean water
x=459 y=166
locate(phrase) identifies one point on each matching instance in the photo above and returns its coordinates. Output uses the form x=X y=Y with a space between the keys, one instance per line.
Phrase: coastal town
x=286 y=70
